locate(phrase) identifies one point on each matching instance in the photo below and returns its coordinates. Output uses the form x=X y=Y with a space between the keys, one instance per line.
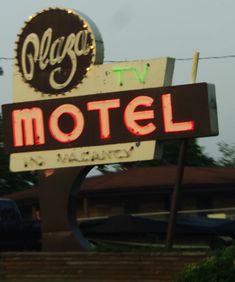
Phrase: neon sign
x=56 y=49
x=140 y=77
x=184 y=111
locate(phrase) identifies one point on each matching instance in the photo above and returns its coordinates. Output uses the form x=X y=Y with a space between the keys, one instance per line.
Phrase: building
x=205 y=191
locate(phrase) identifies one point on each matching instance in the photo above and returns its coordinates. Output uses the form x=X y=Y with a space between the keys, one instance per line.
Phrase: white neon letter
x=169 y=125
x=28 y=129
x=103 y=107
x=78 y=120
x=131 y=116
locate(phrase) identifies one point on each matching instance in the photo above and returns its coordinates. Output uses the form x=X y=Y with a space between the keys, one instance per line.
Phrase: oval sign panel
x=56 y=49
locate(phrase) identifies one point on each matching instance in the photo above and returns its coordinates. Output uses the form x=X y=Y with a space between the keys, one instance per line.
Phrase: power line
x=208 y=58
x=177 y=59
x=188 y=59
x=6 y=59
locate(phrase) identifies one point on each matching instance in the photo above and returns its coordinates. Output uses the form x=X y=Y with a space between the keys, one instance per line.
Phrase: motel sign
x=71 y=110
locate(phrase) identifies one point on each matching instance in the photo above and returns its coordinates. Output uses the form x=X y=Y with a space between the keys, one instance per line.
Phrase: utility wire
x=177 y=59
x=6 y=59
x=207 y=58
x=188 y=59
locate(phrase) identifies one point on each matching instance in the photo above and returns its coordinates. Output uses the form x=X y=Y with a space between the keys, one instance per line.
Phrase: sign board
x=106 y=128
x=70 y=110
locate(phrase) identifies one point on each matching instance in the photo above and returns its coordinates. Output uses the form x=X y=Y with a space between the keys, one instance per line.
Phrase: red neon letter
x=78 y=120
x=169 y=125
x=28 y=127
x=103 y=108
x=130 y=116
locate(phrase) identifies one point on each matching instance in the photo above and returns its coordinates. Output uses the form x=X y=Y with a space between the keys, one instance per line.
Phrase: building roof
x=149 y=178
x=158 y=177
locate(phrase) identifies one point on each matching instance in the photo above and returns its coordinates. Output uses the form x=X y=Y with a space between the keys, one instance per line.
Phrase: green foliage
x=4 y=159
x=12 y=182
x=195 y=156
x=228 y=154
x=218 y=268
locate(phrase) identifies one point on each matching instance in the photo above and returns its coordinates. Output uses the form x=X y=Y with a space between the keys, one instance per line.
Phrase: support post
x=175 y=195
x=58 y=196
x=179 y=172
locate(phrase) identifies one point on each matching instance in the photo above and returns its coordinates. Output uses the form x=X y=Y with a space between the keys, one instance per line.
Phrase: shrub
x=217 y=268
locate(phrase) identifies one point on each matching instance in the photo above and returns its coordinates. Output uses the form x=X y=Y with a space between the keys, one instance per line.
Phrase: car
x=15 y=233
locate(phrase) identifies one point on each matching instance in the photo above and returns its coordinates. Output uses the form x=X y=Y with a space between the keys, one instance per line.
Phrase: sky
x=135 y=30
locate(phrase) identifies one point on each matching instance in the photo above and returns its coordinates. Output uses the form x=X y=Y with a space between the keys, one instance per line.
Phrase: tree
x=195 y=156
x=4 y=163
x=12 y=182
x=228 y=154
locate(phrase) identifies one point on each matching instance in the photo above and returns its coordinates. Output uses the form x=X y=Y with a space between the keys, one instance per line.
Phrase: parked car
x=15 y=233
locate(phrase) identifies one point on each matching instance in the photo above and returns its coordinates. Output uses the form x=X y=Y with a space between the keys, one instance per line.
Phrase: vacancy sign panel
x=117 y=153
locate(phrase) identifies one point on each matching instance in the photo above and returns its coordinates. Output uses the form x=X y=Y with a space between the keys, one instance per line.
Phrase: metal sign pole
x=179 y=172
